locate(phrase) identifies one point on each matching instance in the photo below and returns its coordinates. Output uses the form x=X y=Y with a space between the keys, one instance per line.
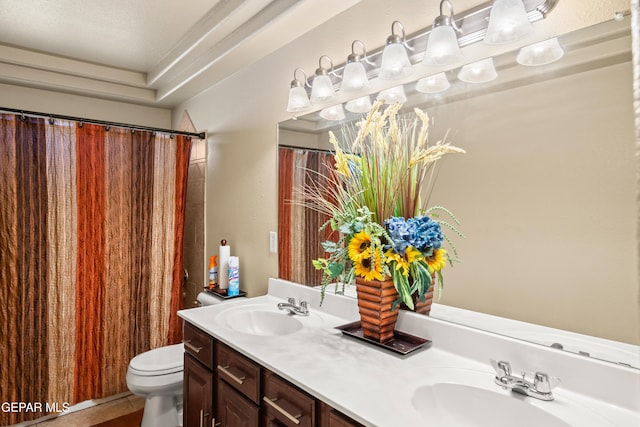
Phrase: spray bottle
x=213 y=272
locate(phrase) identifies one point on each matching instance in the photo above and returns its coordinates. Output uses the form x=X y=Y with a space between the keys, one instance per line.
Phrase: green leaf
x=329 y=246
x=319 y=263
x=335 y=269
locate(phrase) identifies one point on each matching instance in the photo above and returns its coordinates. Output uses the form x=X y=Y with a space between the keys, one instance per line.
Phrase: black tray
x=222 y=293
x=401 y=342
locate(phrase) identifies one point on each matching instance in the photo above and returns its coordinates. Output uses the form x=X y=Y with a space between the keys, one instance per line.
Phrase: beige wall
x=546 y=197
x=43 y=101
x=241 y=202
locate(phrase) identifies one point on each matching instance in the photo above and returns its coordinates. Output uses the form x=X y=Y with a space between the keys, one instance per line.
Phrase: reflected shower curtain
x=91 y=229
x=299 y=238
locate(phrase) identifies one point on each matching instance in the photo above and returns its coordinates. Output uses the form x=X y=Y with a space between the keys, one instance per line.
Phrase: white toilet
x=157 y=375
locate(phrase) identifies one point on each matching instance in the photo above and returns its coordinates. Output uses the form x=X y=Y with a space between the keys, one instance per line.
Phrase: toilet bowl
x=157 y=375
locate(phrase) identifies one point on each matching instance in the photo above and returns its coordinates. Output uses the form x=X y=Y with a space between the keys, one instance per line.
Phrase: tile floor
x=97 y=414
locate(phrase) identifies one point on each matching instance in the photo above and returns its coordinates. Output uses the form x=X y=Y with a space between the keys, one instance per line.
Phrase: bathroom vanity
x=222 y=387
x=247 y=363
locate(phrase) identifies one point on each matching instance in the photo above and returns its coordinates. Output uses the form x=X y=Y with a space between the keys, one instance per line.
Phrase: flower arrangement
x=376 y=199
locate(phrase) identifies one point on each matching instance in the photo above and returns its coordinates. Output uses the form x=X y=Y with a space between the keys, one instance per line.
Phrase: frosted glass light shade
x=442 y=47
x=322 y=90
x=335 y=112
x=508 y=22
x=542 y=53
x=392 y=95
x=478 y=72
x=359 y=105
x=395 y=62
x=354 y=78
x=433 y=84
x=298 y=99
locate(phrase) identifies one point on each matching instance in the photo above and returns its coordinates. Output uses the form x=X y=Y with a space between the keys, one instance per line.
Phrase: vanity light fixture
x=392 y=95
x=508 y=22
x=482 y=71
x=495 y=21
x=395 y=60
x=354 y=76
x=359 y=105
x=542 y=53
x=433 y=84
x=442 y=44
x=322 y=87
x=298 y=98
x=334 y=113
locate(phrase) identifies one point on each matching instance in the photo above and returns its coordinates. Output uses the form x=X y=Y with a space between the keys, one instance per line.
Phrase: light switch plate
x=273 y=242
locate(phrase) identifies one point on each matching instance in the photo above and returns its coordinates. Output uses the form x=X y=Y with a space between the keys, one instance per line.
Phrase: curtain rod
x=200 y=135
x=317 y=150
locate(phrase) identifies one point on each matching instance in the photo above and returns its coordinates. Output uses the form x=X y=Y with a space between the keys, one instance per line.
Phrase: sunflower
x=360 y=246
x=401 y=263
x=437 y=261
x=412 y=254
x=370 y=268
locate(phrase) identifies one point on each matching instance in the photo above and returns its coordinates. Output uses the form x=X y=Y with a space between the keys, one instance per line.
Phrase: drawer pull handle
x=214 y=423
x=225 y=370
x=272 y=402
x=191 y=346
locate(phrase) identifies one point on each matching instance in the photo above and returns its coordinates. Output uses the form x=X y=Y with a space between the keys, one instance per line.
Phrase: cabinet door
x=329 y=417
x=198 y=394
x=234 y=410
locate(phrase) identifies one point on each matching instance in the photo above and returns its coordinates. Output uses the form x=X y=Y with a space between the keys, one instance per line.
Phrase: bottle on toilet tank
x=213 y=271
x=234 y=276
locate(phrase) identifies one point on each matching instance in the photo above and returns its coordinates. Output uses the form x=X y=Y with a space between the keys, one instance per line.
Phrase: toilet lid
x=159 y=361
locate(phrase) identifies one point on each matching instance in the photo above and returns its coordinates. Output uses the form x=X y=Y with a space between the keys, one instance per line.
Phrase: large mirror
x=546 y=192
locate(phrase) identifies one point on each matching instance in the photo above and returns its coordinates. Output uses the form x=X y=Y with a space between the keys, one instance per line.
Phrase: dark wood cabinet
x=330 y=417
x=199 y=378
x=235 y=410
x=239 y=372
x=223 y=388
x=198 y=393
x=286 y=403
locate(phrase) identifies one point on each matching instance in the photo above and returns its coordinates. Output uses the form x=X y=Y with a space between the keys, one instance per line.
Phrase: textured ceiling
x=148 y=52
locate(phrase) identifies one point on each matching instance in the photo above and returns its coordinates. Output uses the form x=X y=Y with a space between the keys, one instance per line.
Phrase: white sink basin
x=264 y=320
x=465 y=398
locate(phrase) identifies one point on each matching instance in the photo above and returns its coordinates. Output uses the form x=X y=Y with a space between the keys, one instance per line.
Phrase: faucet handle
x=291 y=300
x=544 y=383
x=304 y=307
x=502 y=368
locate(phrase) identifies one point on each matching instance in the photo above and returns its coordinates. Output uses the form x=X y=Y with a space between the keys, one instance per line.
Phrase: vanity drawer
x=286 y=403
x=241 y=373
x=198 y=344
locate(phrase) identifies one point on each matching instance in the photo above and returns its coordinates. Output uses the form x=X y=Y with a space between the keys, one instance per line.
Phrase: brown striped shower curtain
x=299 y=237
x=91 y=230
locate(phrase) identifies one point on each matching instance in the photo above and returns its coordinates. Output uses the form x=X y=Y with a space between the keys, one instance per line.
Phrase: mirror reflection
x=546 y=192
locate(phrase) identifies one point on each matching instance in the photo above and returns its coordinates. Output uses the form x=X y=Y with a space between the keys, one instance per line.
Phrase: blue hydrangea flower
x=400 y=232
x=428 y=234
x=420 y=232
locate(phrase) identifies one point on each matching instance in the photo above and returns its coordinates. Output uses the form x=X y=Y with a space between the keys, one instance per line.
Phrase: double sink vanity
x=265 y=361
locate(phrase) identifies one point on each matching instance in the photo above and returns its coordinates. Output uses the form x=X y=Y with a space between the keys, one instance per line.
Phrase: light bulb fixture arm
x=321 y=71
x=297 y=82
x=395 y=38
x=446 y=19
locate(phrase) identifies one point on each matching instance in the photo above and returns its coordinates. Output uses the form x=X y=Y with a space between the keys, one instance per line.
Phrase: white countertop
x=377 y=387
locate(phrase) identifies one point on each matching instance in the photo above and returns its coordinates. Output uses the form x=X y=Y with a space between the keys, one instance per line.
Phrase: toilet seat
x=159 y=361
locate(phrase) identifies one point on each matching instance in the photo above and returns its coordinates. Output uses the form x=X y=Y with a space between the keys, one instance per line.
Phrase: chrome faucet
x=540 y=387
x=290 y=305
